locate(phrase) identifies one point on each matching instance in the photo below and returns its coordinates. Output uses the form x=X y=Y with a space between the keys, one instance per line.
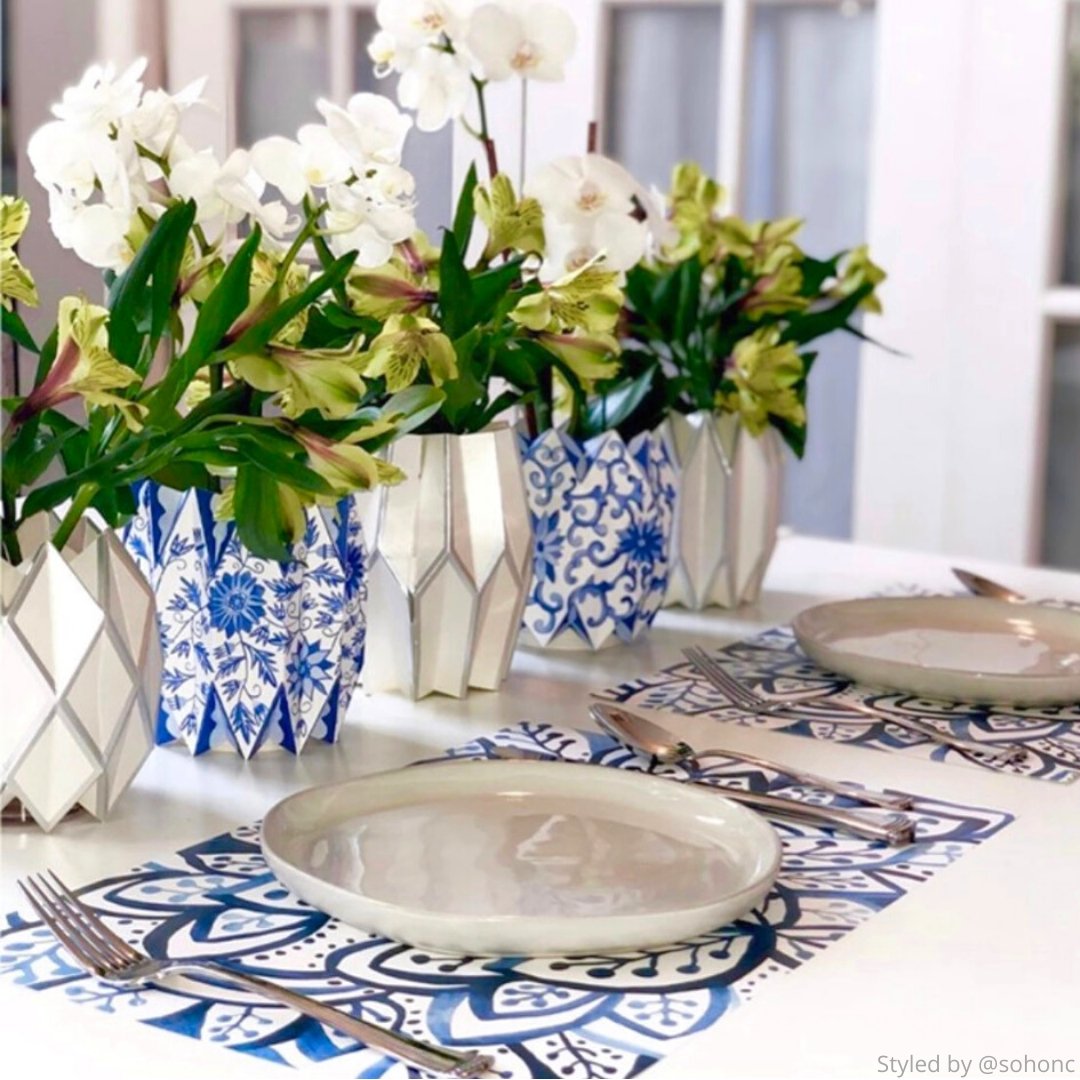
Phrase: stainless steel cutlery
x=108 y=956
x=743 y=697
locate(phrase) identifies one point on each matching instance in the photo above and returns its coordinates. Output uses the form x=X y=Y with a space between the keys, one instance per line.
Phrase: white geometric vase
x=258 y=654
x=727 y=511
x=602 y=513
x=450 y=564
x=81 y=667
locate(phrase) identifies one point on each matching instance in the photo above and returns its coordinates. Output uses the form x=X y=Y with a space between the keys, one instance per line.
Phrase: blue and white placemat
x=597 y=1016
x=774 y=664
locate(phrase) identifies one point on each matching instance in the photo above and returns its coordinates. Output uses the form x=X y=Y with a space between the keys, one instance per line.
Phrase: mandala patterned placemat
x=596 y=1016
x=774 y=664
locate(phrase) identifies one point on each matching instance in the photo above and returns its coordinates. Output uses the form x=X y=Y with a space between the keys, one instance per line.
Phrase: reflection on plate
x=955 y=648
x=522 y=858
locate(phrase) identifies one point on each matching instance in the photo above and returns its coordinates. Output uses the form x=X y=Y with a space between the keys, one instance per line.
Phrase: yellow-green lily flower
x=345 y=466
x=765 y=372
x=587 y=299
x=83 y=367
x=777 y=291
x=695 y=201
x=16 y=284
x=859 y=270
x=592 y=358
x=305 y=379
x=761 y=243
x=407 y=343
x=513 y=224
x=390 y=290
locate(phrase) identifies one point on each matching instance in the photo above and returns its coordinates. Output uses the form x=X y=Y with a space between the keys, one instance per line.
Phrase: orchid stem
x=485 y=133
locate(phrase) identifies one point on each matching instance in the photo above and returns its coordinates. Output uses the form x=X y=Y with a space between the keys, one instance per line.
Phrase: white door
x=936 y=129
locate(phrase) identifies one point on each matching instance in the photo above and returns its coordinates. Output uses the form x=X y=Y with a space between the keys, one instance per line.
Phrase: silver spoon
x=642 y=734
x=984 y=586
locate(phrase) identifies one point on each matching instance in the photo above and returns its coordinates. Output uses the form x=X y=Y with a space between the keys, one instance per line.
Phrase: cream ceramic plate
x=521 y=857
x=954 y=648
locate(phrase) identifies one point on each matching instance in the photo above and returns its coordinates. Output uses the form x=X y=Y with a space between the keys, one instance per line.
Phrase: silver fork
x=750 y=700
x=95 y=947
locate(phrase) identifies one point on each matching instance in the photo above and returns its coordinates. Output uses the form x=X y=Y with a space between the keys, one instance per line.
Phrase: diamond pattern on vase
x=86 y=683
x=727 y=511
x=256 y=653
x=451 y=552
x=602 y=514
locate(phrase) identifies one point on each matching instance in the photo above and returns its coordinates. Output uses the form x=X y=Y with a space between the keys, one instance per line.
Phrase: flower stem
x=485 y=133
x=83 y=498
x=10 y=527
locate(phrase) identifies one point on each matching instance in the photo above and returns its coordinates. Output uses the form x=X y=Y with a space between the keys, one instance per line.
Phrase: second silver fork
x=745 y=698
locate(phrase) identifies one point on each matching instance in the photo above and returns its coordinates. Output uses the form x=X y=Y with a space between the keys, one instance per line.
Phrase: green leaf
x=259 y=335
x=792 y=434
x=16 y=329
x=415 y=405
x=815 y=324
x=518 y=366
x=264 y=520
x=689 y=299
x=159 y=258
x=284 y=468
x=183 y=476
x=455 y=290
x=612 y=410
x=223 y=307
x=491 y=287
x=465 y=215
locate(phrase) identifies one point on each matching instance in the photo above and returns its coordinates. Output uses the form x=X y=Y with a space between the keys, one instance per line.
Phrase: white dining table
x=980 y=965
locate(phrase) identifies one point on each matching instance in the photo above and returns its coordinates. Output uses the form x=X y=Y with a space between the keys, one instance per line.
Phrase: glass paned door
x=284 y=64
x=811 y=106
x=1071 y=267
x=1061 y=536
x=662 y=100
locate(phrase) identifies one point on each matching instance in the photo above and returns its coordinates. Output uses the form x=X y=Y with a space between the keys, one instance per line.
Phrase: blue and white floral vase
x=602 y=515
x=256 y=653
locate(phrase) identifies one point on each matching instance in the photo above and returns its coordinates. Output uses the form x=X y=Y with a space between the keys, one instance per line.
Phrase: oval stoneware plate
x=966 y=649
x=522 y=858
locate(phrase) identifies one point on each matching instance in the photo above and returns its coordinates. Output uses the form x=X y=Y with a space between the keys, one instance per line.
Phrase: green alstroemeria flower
x=695 y=205
x=407 y=343
x=345 y=466
x=765 y=374
x=391 y=290
x=858 y=271
x=16 y=284
x=513 y=224
x=762 y=244
x=83 y=367
x=588 y=299
x=779 y=289
x=306 y=379
x=267 y=294
x=592 y=358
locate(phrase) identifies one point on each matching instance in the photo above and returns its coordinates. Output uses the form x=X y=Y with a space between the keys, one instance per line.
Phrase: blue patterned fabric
x=774 y=664
x=597 y=1016
x=256 y=652
x=602 y=516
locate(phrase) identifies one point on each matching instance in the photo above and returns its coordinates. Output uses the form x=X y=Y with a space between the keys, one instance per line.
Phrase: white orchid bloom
x=591 y=208
x=97 y=234
x=360 y=219
x=388 y=54
x=102 y=97
x=421 y=22
x=618 y=241
x=315 y=159
x=156 y=120
x=371 y=129
x=436 y=86
x=526 y=38
x=583 y=188
x=226 y=194
x=70 y=159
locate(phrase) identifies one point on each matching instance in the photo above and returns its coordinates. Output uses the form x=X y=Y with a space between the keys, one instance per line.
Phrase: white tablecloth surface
x=984 y=960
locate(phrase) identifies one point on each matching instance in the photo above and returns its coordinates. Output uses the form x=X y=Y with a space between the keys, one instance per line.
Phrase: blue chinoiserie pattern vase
x=256 y=653
x=602 y=514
